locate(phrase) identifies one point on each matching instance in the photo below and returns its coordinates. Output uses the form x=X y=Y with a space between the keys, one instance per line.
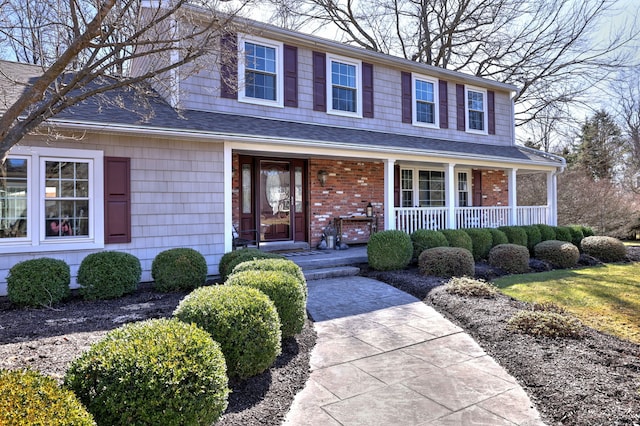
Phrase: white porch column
x=513 y=196
x=389 y=208
x=450 y=195
x=228 y=183
x=552 y=198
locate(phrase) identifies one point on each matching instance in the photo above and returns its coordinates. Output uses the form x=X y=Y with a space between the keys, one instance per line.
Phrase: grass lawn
x=606 y=298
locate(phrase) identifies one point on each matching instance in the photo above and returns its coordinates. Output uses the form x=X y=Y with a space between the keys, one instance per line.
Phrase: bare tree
x=547 y=48
x=84 y=48
x=628 y=90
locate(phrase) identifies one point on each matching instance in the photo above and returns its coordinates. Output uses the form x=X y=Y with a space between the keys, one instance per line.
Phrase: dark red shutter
x=229 y=66
x=460 y=118
x=319 y=81
x=491 y=111
x=367 y=90
x=407 y=99
x=396 y=185
x=477 y=188
x=444 y=104
x=117 y=200
x=290 y=76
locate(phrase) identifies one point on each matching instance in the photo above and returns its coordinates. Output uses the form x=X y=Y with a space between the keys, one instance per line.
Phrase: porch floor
x=319 y=259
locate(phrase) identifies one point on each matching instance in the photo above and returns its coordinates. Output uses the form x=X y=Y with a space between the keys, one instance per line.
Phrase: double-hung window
x=344 y=90
x=425 y=101
x=260 y=71
x=476 y=110
x=422 y=188
x=51 y=199
x=463 y=190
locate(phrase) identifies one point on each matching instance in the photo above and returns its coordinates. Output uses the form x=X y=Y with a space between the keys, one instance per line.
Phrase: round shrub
x=458 y=238
x=547 y=232
x=562 y=233
x=606 y=249
x=242 y=319
x=560 y=254
x=534 y=236
x=446 y=262
x=29 y=398
x=160 y=372
x=423 y=239
x=545 y=324
x=497 y=237
x=576 y=234
x=108 y=274
x=38 y=282
x=178 y=269
x=465 y=286
x=481 y=242
x=515 y=235
x=587 y=231
x=233 y=258
x=283 y=265
x=285 y=292
x=512 y=258
x=389 y=250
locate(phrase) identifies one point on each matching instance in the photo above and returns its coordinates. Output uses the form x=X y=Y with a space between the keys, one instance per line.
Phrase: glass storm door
x=276 y=200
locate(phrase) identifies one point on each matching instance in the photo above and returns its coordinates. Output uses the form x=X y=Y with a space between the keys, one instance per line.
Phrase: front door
x=275 y=190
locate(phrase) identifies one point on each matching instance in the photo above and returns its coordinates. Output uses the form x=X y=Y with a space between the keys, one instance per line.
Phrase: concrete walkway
x=384 y=358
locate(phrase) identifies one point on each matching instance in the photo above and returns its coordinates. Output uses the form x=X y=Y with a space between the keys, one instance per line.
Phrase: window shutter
x=229 y=66
x=367 y=90
x=461 y=119
x=444 y=104
x=290 y=54
x=407 y=99
x=396 y=185
x=319 y=81
x=477 y=187
x=491 y=111
x=117 y=193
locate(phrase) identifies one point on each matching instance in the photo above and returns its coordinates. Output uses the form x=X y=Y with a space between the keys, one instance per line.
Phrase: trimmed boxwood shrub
x=29 y=398
x=233 y=258
x=606 y=249
x=178 y=269
x=38 y=282
x=481 y=242
x=154 y=372
x=283 y=265
x=458 y=238
x=560 y=254
x=285 y=292
x=108 y=274
x=515 y=235
x=423 y=239
x=498 y=237
x=547 y=232
x=563 y=233
x=242 y=319
x=389 y=250
x=576 y=234
x=513 y=258
x=534 y=236
x=587 y=231
x=446 y=262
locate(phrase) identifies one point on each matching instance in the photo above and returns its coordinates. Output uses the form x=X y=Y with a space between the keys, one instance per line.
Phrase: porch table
x=372 y=223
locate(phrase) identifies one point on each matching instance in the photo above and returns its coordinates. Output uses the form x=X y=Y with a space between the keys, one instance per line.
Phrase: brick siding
x=495 y=184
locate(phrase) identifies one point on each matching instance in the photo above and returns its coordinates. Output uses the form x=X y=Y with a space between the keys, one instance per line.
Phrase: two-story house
x=286 y=134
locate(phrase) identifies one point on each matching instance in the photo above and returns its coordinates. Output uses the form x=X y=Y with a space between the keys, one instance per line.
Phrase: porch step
x=284 y=246
x=339 y=271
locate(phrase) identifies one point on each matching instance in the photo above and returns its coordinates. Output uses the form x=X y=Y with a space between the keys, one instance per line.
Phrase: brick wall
x=495 y=188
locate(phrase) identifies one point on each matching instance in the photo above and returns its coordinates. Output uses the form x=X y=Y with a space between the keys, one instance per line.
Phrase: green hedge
x=458 y=238
x=534 y=236
x=515 y=235
x=233 y=258
x=563 y=233
x=546 y=232
x=481 y=242
x=108 y=274
x=38 y=282
x=154 y=372
x=389 y=250
x=498 y=237
x=178 y=269
x=283 y=265
x=423 y=239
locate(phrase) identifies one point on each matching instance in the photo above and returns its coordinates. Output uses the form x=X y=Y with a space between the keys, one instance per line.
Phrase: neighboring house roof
x=14 y=77
x=127 y=109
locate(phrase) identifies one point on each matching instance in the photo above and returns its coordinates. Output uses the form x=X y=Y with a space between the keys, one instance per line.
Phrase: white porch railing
x=410 y=219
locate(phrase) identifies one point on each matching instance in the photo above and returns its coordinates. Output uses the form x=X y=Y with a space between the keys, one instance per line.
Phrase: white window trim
x=416 y=182
x=36 y=241
x=469 y=182
x=436 y=99
x=358 y=64
x=278 y=46
x=485 y=123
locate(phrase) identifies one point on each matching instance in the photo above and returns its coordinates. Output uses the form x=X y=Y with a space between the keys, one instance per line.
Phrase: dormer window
x=344 y=90
x=425 y=99
x=260 y=71
x=476 y=110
